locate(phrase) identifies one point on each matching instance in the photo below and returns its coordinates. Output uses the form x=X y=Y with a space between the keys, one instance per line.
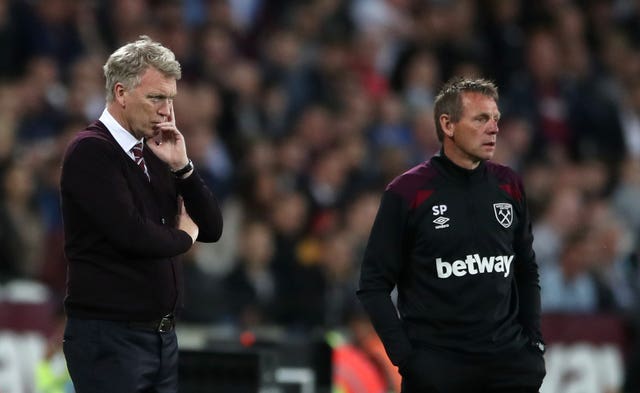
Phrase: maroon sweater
x=121 y=240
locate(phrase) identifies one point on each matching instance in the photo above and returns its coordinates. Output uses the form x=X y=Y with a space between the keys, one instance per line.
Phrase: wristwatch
x=539 y=345
x=185 y=169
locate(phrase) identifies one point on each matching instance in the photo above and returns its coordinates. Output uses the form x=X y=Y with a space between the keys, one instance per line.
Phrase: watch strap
x=185 y=169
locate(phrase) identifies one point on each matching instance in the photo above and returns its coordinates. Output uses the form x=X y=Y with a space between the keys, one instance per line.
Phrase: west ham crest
x=504 y=213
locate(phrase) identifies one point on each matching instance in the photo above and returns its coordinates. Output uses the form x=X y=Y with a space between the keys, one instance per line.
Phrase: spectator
x=392 y=127
x=506 y=38
x=559 y=220
x=629 y=114
x=418 y=80
x=49 y=30
x=325 y=286
x=542 y=96
x=40 y=95
x=626 y=194
x=252 y=287
x=614 y=270
x=201 y=284
x=569 y=285
x=22 y=233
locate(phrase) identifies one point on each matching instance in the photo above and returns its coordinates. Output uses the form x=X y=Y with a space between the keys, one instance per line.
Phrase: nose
x=164 y=109
x=493 y=127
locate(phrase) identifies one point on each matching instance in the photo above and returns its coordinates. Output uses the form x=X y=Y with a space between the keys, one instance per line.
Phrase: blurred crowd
x=298 y=113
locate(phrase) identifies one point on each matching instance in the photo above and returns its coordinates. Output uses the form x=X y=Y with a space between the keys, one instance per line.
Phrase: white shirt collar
x=122 y=136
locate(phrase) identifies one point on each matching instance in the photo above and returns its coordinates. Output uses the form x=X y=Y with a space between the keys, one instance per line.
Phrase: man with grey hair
x=132 y=203
x=453 y=234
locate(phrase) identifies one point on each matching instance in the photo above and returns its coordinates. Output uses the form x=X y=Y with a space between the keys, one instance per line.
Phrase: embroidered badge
x=504 y=213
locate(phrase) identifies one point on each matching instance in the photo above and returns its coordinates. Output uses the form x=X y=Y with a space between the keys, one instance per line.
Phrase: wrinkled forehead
x=154 y=80
x=476 y=102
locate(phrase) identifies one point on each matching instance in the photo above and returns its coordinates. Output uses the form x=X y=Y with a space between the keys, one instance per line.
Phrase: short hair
x=449 y=99
x=127 y=64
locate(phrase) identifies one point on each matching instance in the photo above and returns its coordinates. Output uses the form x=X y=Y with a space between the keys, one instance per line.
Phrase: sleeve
x=526 y=274
x=202 y=207
x=380 y=269
x=93 y=183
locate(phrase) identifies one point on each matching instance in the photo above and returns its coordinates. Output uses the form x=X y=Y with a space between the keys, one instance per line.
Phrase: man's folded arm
x=202 y=206
x=92 y=180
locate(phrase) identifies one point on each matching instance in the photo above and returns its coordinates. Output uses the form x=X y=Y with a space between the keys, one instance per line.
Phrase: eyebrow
x=489 y=115
x=160 y=95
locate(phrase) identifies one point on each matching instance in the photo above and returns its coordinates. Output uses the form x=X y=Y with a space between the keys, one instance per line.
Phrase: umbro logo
x=440 y=221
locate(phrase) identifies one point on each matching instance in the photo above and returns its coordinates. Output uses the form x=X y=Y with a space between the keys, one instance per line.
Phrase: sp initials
x=439 y=209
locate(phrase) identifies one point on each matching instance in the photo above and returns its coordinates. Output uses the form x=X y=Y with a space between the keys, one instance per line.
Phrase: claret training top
x=458 y=245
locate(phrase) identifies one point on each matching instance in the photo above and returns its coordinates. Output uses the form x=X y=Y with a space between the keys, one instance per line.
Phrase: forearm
x=529 y=300
x=98 y=201
x=387 y=324
x=527 y=277
x=381 y=265
x=202 y=207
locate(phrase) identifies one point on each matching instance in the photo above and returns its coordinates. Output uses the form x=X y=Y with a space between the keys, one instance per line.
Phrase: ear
x=119 y=94
x=446 y=124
